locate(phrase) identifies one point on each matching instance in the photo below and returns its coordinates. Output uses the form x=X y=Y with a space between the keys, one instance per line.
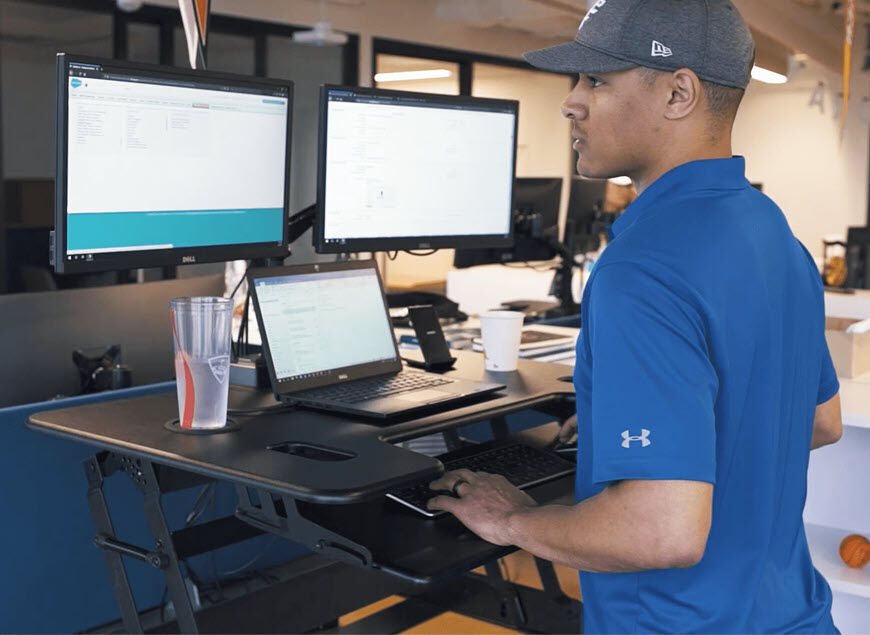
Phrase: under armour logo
x=643 y=438
x=591 y=12
x=660 y=50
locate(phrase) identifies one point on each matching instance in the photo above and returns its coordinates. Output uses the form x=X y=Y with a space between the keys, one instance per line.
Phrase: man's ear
x=684 y=94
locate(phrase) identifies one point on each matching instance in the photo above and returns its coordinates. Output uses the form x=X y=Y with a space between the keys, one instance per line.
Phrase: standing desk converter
x=324 y=487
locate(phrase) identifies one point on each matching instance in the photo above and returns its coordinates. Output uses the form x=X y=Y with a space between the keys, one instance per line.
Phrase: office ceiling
x=813 y=27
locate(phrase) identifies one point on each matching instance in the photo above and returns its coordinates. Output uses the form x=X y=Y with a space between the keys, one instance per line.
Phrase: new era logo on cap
x=660 y=50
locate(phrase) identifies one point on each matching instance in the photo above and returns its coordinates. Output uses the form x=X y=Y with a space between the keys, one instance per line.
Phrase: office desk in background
x=478 y=289
x=334 y=507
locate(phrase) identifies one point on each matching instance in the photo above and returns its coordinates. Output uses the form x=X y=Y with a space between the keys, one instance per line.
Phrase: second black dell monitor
x=401 y=171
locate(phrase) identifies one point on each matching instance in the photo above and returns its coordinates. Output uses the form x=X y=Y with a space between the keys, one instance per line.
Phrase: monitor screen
x=536 y=220
x=164 y=166
x=404 y=170
x=586 y=214
x=324 y=321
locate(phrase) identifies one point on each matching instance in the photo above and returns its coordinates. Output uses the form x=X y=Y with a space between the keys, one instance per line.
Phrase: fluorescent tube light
x=404 y=76
x=768 y=77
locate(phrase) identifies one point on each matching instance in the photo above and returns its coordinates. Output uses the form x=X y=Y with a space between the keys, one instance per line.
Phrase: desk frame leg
x=94 y=467
x=157 y=523
x=511 y=603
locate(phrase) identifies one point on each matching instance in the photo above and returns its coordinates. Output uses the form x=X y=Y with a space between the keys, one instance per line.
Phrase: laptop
x=329 y=344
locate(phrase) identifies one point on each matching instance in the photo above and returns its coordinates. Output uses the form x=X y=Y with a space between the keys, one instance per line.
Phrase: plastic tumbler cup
x=501 y=332
x=201 y=332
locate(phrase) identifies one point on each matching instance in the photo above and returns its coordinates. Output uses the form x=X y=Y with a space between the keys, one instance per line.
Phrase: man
x=702 y=377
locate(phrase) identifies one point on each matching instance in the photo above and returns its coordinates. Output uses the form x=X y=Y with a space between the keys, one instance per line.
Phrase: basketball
x=855 y=550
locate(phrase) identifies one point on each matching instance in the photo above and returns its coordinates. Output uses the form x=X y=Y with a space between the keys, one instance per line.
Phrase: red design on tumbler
x=189 y=396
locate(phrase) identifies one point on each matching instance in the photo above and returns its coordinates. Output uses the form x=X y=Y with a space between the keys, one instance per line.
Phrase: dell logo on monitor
x=186 y=260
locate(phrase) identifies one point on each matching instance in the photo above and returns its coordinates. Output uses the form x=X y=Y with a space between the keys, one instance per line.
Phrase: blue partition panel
x=54 y=579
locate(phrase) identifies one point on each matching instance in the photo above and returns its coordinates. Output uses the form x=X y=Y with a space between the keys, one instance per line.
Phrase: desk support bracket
x=141 y=471
x=146 y=479
x=96 y=468
x=279 y=515
x=511 y=604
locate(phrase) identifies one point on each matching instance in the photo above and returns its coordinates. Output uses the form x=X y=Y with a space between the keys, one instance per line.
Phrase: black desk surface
x=135 y=427
x=381 y=533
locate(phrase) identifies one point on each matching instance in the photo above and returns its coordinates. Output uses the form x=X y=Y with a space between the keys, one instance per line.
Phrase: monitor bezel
x=134 y=259
x=333 y=376
x=405 y=243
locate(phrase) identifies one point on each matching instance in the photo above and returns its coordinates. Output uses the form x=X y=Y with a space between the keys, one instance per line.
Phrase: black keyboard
x=373 y=387
x=523 y=465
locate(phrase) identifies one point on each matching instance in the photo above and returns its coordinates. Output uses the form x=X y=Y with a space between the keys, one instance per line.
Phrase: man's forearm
x=627 y=527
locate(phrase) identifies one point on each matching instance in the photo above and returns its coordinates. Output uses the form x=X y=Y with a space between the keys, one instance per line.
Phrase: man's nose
x=573 y=108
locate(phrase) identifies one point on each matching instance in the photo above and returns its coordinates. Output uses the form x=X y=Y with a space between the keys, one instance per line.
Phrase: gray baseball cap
x=707 y=36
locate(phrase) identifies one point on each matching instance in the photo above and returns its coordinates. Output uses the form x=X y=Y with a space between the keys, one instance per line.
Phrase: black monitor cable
x=281 y=407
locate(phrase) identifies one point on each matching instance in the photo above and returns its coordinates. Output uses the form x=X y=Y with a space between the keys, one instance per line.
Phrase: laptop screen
x=318 y=322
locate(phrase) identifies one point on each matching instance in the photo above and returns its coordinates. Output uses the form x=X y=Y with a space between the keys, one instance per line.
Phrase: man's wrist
x=514 y=523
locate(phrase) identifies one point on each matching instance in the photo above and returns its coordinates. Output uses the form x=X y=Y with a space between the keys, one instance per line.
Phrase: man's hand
x=484 y=502
x=568 y=429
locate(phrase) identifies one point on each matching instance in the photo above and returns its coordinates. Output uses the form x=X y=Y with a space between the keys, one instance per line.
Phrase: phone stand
x=434 y=367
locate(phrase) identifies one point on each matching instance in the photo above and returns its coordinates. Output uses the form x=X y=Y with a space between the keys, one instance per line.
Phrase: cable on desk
x=412 y=252
x=265 y=410
x=526 y=265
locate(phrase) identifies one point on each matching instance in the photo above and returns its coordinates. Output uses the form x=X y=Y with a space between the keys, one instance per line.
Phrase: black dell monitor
x=536 y=222
x=161 y=166
x=586 y=218
x=402 y=171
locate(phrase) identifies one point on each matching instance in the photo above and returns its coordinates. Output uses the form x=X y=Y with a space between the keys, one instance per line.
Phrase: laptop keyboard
x=374 y=387
x=523 y=465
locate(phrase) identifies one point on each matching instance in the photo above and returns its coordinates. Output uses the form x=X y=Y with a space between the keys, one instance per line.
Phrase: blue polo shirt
x=702 y=357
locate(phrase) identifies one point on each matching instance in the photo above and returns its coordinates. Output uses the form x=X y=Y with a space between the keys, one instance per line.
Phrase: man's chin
x=590 y=171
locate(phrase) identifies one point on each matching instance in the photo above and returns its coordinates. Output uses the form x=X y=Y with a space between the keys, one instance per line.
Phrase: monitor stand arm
x=297 y=225
x=563 y=279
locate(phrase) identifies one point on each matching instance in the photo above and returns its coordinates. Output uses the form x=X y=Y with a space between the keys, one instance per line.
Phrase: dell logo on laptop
x=186 y=260
x=342 y=376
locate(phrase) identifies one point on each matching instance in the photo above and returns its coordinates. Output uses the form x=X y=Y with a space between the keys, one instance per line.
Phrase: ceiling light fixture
x=768 y=77
x=404 y=76
x=322 y=34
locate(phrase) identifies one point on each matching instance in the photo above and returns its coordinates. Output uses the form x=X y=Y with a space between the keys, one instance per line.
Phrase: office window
x=543 y=136
x=143 y=42
x=443 y=77
x=228 y=53
x=30 y=37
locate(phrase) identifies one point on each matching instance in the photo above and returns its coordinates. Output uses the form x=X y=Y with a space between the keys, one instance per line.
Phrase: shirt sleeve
x=654 y=384
x=829 y=385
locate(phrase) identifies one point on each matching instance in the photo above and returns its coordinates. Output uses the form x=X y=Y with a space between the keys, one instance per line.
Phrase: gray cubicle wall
x=41 y=330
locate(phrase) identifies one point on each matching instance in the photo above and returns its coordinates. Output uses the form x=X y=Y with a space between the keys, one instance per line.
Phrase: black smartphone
x=430 y=336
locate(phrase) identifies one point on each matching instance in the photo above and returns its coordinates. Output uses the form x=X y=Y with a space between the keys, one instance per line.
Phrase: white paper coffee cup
x=501 y=332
